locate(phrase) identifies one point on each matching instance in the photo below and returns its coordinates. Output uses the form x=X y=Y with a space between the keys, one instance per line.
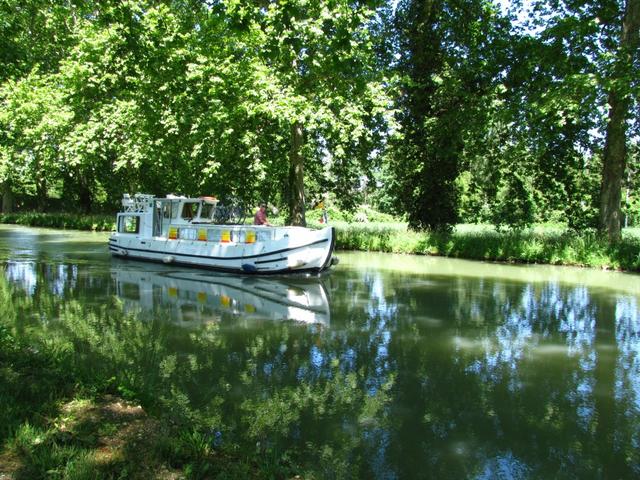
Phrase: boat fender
x=167 y=259
x=335 y=260
x=249 y=268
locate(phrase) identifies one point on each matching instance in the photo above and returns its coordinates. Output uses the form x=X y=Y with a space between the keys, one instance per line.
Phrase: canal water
x=387 y=367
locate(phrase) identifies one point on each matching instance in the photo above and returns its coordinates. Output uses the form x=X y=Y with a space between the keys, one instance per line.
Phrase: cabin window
x=207 y=211
x=188 y=234
x=167 y=208
x=175 y=210
x=157 y=219
x=188 y=210
x=129 y=224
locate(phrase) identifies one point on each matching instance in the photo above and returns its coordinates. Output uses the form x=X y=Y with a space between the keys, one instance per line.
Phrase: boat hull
x=294 y=250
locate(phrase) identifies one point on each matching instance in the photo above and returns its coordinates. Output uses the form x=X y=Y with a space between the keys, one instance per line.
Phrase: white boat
x=187 y=231
x=191 y=297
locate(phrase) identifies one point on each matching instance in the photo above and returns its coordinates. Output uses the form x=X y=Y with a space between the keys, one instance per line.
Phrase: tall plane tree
x=599 y=39
x=35 y=35
x=620 y=86
x=445 y=59
x=320 y=83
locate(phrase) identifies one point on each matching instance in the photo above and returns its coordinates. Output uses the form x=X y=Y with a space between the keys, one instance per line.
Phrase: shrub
x=99 y=223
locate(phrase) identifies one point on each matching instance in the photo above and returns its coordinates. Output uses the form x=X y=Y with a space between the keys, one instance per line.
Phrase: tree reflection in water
x=414 y=375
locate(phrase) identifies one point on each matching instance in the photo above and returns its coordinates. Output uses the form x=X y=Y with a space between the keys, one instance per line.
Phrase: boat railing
x=229 y=214
x=218 y=214
x=138 y=203
x=206 y=210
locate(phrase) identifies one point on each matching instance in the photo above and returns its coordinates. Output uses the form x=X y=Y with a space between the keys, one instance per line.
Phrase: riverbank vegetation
x=71 y=221
x=546 y=244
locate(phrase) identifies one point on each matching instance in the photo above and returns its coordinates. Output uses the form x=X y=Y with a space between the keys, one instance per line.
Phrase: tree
x=34 y=37
x=34 y=119
x=321 y=86
x=561 y=67
x=619 y=101
x=546 y=117
x=233 y=98
x=445 y=50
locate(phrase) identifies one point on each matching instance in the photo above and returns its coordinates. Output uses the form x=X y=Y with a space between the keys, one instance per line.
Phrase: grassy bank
x=98 y=223
x=58 y=425
x=545 y=245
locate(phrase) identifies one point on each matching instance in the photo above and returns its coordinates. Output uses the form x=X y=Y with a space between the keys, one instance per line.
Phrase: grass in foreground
x=57 y=424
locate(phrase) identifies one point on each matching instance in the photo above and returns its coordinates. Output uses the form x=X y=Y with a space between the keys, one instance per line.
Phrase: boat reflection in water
x=192 y=297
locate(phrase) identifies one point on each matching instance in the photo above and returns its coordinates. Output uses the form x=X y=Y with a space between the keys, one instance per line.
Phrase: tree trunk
x=615 y=151
x=7 y=198
x=614 y=165
x=41 y=194
x=296 y=177
x=84 y=194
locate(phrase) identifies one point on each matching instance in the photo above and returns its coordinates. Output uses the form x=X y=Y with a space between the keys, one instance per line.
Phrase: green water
x=388 y=367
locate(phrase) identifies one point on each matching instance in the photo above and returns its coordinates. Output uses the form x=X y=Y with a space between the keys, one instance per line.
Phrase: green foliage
x=33 y=376
x=449 y=61
x=363 y=214
x=493 y=95
x=35 y=119
x=631 y=194
x=515 y=206
x=424 y=111
x=141 y=96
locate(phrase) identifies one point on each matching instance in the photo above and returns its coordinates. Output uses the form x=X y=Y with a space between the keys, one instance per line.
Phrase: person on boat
x=260 y=217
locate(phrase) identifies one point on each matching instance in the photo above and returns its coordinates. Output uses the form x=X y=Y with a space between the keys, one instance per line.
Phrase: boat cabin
x=178 y=217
